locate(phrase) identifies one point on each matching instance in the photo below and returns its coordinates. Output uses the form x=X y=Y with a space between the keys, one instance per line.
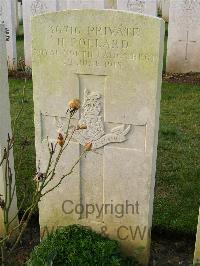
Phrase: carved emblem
x=190 y=4
x=38 y=7
x=91 y=117
x=136 y=5
x=186 y=13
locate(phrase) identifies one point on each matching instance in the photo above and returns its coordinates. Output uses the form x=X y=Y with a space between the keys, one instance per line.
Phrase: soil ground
x=171 y=252
x=166 y=250
x=189 y=78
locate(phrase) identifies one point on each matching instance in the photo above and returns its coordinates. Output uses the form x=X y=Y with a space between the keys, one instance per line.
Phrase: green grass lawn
x=177 y=197
x=177 y=181
x=24 y=150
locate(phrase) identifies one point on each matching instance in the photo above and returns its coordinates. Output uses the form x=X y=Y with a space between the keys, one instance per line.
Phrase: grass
x=177 y=181
x=24 y=150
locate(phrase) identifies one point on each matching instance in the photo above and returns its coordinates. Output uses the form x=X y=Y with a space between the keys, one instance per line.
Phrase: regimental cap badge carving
x=94 y=131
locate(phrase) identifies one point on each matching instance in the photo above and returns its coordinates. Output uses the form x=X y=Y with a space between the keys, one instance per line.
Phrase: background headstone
x=183 y=51
x=110 y=4
x=109 y=60
x=140 y=6
x=16 y=15
x=197 y=245
x=8 y=18
x=165 y=4
x=32 y=8
x=159 y=3
x=20 y=13
x=80 y=4
x=5 y=126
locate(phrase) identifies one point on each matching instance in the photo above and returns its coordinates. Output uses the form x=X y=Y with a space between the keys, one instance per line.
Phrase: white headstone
x=112 y=61
x=84 y=4
x=8 y=18
x=32 y=8
x=20 y=12
x=16 y=15
x=110 y=4
x=148 y=7
x=197 y=245
x=165 y=9
x=80 y=4
x=5 y=128
x=159 y=3
x=183 y=51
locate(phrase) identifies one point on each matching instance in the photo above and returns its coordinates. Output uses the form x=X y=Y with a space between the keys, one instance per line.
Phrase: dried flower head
x=60 y=130
x=60 y=140
x=74 y=104
x=39 y=177
x=81 y=127
x=88 y=146
x=2 y=202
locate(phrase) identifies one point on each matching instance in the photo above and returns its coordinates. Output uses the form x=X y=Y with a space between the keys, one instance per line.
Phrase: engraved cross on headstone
x=101 y=133
x=187 y=43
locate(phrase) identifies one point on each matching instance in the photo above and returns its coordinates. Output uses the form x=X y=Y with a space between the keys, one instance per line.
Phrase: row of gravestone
x=11 y=17
x=183 y=33
x=35 y=7
x=8 y=16
x=112 y=62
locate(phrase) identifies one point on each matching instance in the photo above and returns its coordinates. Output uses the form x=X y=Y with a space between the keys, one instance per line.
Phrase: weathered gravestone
x=165 y=4
x=197 y=245
x=80 y=4
x=16 y=15
x=8 y=18
x=148 y=7
x=32 y=8
x=5 y=128
x=37 y=7
x=112 y=61
x=20 y=14
x=159 y=3
x=110 y=4
x=183 y=50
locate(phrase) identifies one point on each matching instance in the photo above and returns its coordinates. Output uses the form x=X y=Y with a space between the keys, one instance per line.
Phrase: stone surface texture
x=165 y=4
x=80 y=4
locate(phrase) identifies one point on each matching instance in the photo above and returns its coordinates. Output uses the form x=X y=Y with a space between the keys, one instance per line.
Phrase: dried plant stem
x=47 y=177
x=65 y=175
